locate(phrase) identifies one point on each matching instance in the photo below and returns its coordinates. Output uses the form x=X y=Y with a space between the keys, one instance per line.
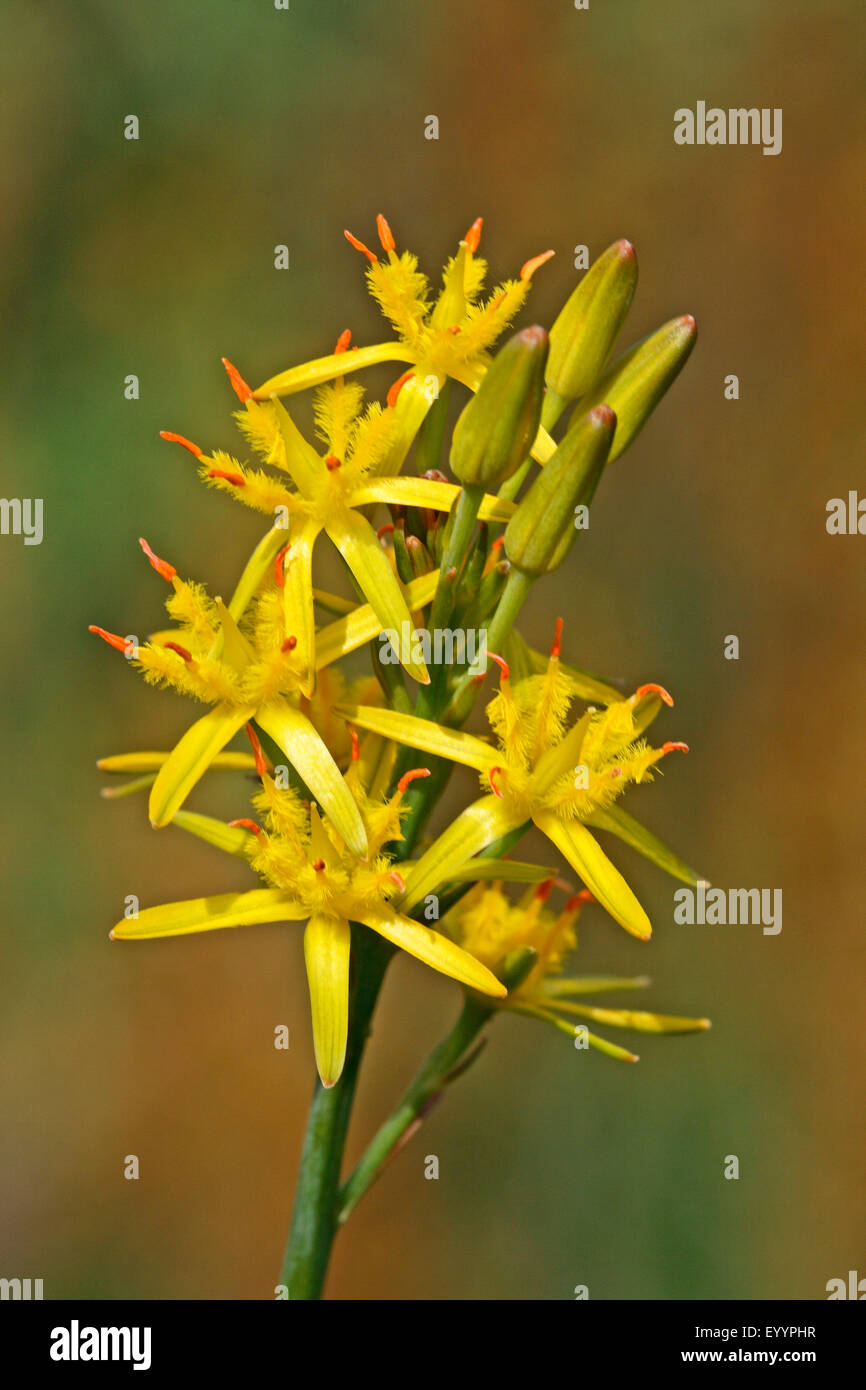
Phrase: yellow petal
x=436 y=950
x=152 y=762
x=425 y=492
x=326 y=952
x=306 y=468
x=358 y=543
x=363 y=623
x=637 y=1019
x=323 y=369
x=474 y=829
x=602 y=878
x=298 y=602
x=233 y=839
x=210 y=914
x=307 y=752
x=258 y=565
x=631 y=832
x=191 y=757
x=423 y=734
x=587 y=687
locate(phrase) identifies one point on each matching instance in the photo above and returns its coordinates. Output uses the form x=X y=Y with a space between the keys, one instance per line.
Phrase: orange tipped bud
x=653 y=689
x=386 y=236
x=162 y=567
x=181 y=651
x=557 y=640
x=675 y=748
x=359 y=246
x=261 y=765
x=234 y=478
x=279 y=566
x=239 y=386
x=121 y=644
x=289 y=644
x=244 y=824
x=397 y=388
x=529 y=267
x=411 y=776
x=179 y=439
x=343 y=341
x=473 y=236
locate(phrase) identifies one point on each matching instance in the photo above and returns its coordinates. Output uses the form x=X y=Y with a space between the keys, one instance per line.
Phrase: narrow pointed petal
x=508 y=870
x=474 y=829
x=631 y=832
x=423 y=734
x=210 y=914
x=357 y=542
x=424 y=492
x=621 y=1054
x=304 y=465
x=298 y=602
x=258 y=566
x=231 y=646
x=601 y=877
x=363 y=623
x=152 y=762
x=637 y=1019
x=191 y=757
x=326 y=953
x=307 y=752
x=230 y=838
x=560 y=986
x=436 y=950
x=327 y=368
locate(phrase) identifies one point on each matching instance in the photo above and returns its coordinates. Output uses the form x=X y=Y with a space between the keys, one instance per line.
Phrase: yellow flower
x=525 y=940
x=315 y=876
x=249 y=672
x=329 y=493
x=559 y=778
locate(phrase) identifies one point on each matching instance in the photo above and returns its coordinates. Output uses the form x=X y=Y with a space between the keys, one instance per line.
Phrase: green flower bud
x=588 y=323
x=635 y=384
x=542 y=530
x=498 y=426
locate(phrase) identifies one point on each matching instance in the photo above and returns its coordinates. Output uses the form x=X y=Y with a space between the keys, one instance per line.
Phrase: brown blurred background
x=155 y=257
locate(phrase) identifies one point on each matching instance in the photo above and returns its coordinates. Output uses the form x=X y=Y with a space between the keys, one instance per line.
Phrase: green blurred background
x=155 y=257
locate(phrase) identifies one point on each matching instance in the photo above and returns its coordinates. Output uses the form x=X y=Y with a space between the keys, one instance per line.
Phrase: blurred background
x=261 y=127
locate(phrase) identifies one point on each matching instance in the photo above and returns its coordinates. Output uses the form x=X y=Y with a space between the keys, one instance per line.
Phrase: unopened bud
x=498 y=426
x=586 y=327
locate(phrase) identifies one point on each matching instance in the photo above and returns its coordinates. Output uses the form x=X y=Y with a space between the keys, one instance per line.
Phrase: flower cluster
x=337 y=830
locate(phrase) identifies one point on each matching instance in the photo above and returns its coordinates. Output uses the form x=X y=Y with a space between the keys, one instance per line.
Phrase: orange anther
x=557 y=640
x=289 y=644
x=244 y=824
x=576 y=902
x=121 y=644
x=239 y=386
x=332 y=462
x=261 y=765
x=653 y=689
x=504 y=669
x=491 y=777
x=544 y=890
x=529 y=267
x=396 y=877
x=181 y=651
x=473 y=236
x=279 y=567
x=356 y=744
x=179 y=439
x=162 y=567
x=234 y=478
x=359 y=246
x=397 y=388
x=318 y=865
x=385 y=530
x=411 y=777
x=675 y=748
x=386 y=236
x=343 y=341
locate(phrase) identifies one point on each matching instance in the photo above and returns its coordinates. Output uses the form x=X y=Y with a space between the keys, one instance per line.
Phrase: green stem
x=314 y=1223
x=430 y=1080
